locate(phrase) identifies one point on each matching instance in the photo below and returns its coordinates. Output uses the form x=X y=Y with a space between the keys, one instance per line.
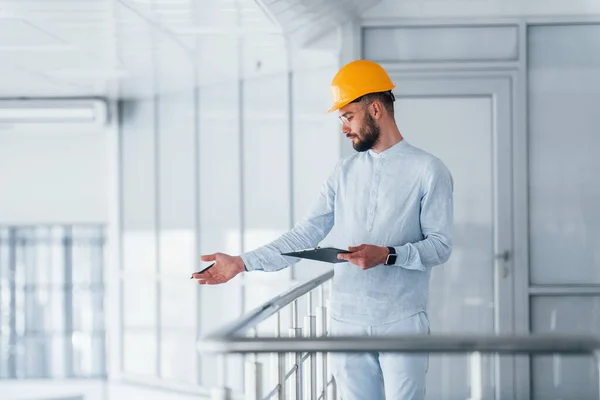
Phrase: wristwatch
x=391 y=257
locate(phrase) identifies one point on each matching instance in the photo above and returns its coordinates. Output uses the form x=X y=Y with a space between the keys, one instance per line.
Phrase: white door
x=466 y=122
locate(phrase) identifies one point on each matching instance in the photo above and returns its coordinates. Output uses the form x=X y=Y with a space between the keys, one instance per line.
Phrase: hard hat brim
x=345 y=102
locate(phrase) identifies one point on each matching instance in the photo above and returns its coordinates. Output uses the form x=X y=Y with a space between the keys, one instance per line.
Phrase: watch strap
x=392 y=256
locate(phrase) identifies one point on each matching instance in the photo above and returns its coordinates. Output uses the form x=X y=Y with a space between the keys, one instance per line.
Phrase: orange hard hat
x=356 y=79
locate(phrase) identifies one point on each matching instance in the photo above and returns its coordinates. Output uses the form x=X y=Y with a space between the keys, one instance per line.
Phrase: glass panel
x=88 y=310
x=219 y=305
x=25 y=259
x=264 y=55
x=4 y=327
x=88 y=255
x=223 y=65
x=41 y=357
x=97 y=264
x=50 y=262
x=267 y=176
x=139 y=352
x=20 y=313
x=139 y=303
x=88 y=354
x=564 y=93
x=177 y=252
x=40 y=306
x=179 y=305
x=45 y=310
x=441 y=44
x=4 y=288
x=42 y=234
x=177 y=164
x=139 y=252
x=4 y=257
x=459 y=305
x=139 y=239
x=40 y=256
x=85 y=259
x=316 y=148
x=560 y=376
x=4 y=301
x=55 y=261
x=4 y=353
x=87 y=233
x=178 y=357
x=176 y=160
x=138 y=164
x=266 y=170
x=220 y=216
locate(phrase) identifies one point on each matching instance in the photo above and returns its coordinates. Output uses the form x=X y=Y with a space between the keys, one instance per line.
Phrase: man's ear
x=376 y=110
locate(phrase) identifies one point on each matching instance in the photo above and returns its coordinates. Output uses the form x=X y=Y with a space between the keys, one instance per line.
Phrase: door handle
x=505 y=258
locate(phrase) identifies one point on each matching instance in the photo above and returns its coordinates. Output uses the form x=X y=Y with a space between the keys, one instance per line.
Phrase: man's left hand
x=365 y=256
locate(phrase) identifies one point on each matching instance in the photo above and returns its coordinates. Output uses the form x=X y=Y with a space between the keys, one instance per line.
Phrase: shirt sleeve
x=307 y=233
x=437 y=218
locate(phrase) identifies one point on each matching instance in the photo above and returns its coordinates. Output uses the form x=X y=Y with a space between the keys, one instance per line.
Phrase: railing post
x=322 y=331
x=280 y=363
x=310 y=330
x=281 y=376
x=311 y=371
x=253 y=381
x=295 y=331
x=221 y=394
x=476 y=376
x=327 y=306
x=597 y=356
x=333 y=389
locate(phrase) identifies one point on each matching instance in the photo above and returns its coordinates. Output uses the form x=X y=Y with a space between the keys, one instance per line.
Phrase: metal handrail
x=268 y=309
x=511 y=344
x=230 y=339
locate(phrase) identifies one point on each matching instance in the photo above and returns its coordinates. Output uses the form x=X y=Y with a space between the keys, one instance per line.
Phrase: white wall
x=53 y=177
x=480 y=8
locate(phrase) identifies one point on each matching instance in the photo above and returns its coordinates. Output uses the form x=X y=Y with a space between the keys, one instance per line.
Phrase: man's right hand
x=226 y=268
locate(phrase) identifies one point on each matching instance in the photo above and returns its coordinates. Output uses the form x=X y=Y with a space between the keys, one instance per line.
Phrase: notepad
x=324 y=254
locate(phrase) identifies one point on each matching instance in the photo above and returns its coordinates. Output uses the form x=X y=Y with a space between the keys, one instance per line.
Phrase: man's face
x=359 y=126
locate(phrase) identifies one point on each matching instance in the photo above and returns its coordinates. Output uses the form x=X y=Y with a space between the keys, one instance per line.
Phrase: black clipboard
x=324 y=254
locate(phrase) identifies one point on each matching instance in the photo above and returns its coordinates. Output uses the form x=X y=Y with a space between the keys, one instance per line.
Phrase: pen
x=205 y=269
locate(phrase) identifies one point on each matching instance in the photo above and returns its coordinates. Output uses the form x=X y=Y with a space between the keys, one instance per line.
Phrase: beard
x=368 y=135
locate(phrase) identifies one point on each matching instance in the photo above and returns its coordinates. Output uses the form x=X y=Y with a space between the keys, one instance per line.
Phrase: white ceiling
x=74 y=48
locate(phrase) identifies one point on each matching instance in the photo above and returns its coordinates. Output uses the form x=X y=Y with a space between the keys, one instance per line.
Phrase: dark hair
x=386 y=98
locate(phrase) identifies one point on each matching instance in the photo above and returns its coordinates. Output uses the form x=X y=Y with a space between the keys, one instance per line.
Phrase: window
x=52 y=302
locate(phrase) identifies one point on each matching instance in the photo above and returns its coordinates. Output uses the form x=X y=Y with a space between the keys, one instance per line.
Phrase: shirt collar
x=391 y=151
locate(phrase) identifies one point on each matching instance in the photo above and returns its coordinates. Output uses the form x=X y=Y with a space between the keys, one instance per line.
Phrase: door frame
x=509 y=307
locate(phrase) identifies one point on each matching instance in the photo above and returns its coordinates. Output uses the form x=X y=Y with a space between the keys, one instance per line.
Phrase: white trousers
x=379 y=376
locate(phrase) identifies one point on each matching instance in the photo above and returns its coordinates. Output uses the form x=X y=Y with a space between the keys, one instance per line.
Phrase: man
x=393 y=203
